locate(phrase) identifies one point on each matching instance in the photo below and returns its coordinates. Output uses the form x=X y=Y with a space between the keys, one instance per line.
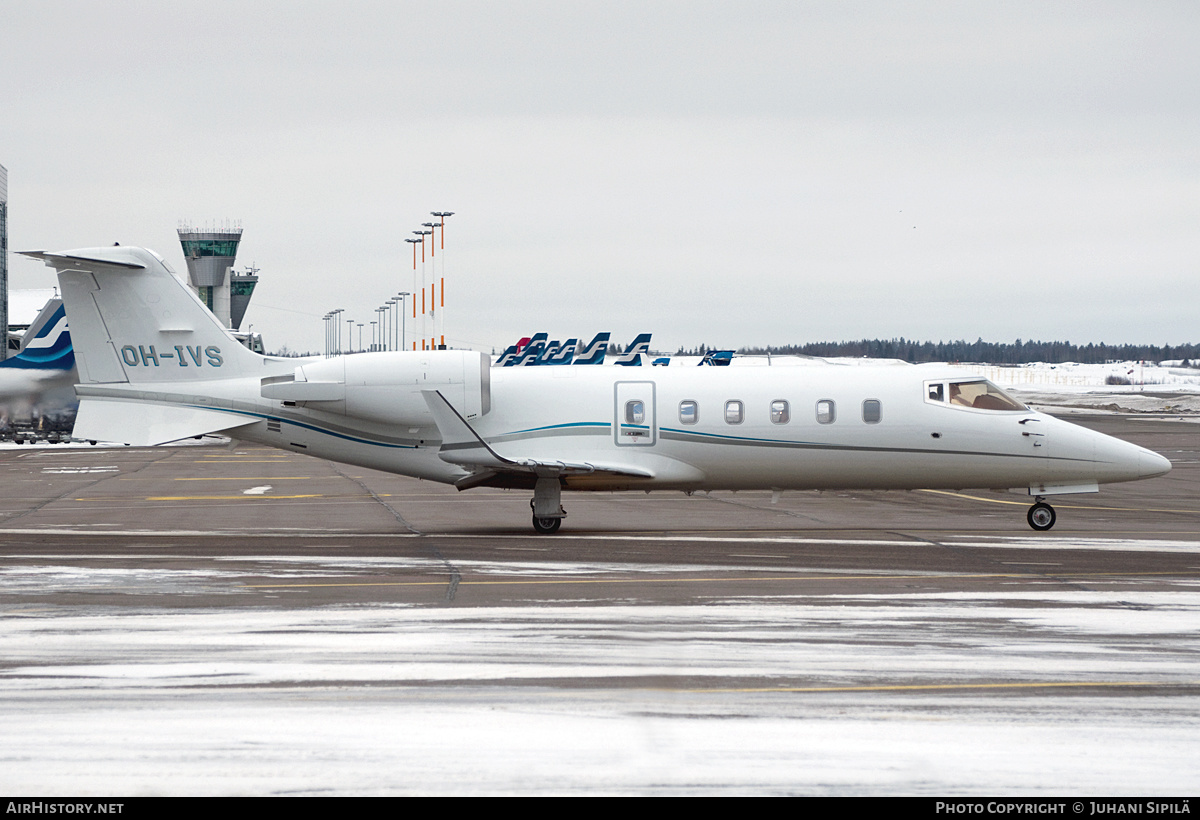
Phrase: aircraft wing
x=463 y=446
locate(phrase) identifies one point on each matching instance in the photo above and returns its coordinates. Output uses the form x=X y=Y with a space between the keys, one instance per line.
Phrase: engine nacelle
x=386 y=387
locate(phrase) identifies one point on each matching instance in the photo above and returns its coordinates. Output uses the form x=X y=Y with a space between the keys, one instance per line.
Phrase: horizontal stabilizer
x=64 y=261
x=101 y=420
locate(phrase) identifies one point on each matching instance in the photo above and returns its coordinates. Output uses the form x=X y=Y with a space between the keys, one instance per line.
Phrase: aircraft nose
x=1151 y=464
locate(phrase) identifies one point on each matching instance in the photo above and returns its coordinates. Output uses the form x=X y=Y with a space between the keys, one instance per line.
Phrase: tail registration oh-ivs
x=156 y=366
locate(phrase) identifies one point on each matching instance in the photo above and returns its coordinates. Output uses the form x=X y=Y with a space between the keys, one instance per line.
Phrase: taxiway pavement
x=233 y=619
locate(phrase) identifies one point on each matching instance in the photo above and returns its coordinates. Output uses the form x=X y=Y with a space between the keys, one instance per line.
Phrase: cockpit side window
x=977 y=394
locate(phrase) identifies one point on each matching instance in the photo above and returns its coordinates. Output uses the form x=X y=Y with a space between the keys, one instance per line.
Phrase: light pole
x=442 y=215
x=392 y=341
x=335 y=334
x=422 y=234
x=435 y=312
x=414 y=278
x=401 y=296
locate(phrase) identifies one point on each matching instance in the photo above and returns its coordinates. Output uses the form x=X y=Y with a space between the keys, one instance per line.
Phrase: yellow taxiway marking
x=239 y=478
x=753 y=579
x=1061 y=506
x=216 y=497
x=243 y=497
x=246 y=455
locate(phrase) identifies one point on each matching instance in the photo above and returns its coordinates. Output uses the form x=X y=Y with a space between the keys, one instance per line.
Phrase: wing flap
x=463 y=446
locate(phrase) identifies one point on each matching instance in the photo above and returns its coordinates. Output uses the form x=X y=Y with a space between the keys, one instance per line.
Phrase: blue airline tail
x=593 y=352
x=529 y=353
x=47 y=342
x=565 y=354
x=512 y=353
x=633 y=354
x=549 y=350
x=507 y=357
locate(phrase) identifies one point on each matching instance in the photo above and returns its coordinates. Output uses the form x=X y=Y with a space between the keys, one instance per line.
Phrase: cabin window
x=780 y=412
x=872 y=411
x=689 y=412
x=734 y=412
x=635 y=412
x=826 y=411
x=937 y=392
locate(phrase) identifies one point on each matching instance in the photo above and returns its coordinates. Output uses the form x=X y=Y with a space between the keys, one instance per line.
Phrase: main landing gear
x=546 y=505
x=1041 y=516
x=546 y=526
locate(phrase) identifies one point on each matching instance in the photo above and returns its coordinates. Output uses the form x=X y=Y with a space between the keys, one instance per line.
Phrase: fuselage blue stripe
x=306 y=426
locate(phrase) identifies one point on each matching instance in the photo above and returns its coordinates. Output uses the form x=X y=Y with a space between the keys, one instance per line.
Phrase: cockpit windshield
x=979 y=394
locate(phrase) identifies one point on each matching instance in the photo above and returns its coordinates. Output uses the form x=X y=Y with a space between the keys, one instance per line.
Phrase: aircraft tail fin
x=132 y=320
x=507 y=357
x=47 y=343
x=593 y=352
x=633 y=354
x=565 y=353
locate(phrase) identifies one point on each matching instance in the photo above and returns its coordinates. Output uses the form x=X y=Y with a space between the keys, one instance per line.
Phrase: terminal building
x=4 y=259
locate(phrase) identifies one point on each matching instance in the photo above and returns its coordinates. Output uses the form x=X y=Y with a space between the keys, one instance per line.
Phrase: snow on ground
x=762 y=695
x=1152 y=388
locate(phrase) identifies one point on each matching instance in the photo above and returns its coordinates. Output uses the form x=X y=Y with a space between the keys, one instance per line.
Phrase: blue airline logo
x=593 y=351
x=536 y=351
x=185 y=355
x=632 y=357
x=561 y=354
x=50 y=349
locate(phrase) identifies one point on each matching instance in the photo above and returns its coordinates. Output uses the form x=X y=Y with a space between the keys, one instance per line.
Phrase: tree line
x=1017 y=352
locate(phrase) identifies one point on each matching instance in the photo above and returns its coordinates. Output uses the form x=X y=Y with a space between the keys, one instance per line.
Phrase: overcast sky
x=728 y=173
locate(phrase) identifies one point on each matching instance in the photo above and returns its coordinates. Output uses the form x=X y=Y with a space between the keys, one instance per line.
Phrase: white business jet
x=156 y=366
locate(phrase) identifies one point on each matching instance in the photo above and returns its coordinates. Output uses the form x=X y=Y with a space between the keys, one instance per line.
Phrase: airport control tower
x=210 y=255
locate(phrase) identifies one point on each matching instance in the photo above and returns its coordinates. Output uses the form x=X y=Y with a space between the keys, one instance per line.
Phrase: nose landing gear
x=1041 y=516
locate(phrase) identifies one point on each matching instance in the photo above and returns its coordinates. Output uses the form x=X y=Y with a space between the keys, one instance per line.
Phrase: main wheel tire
x=1041 y=516
x=546 y=526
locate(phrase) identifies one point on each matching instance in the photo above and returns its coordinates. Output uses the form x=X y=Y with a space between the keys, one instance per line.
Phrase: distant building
x=210 y=256
x=3 y=256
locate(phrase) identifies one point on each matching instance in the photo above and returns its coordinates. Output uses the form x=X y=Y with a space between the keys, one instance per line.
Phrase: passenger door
x=633 y=414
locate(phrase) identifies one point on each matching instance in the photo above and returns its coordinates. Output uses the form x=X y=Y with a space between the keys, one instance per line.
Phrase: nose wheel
x=1041 y=516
